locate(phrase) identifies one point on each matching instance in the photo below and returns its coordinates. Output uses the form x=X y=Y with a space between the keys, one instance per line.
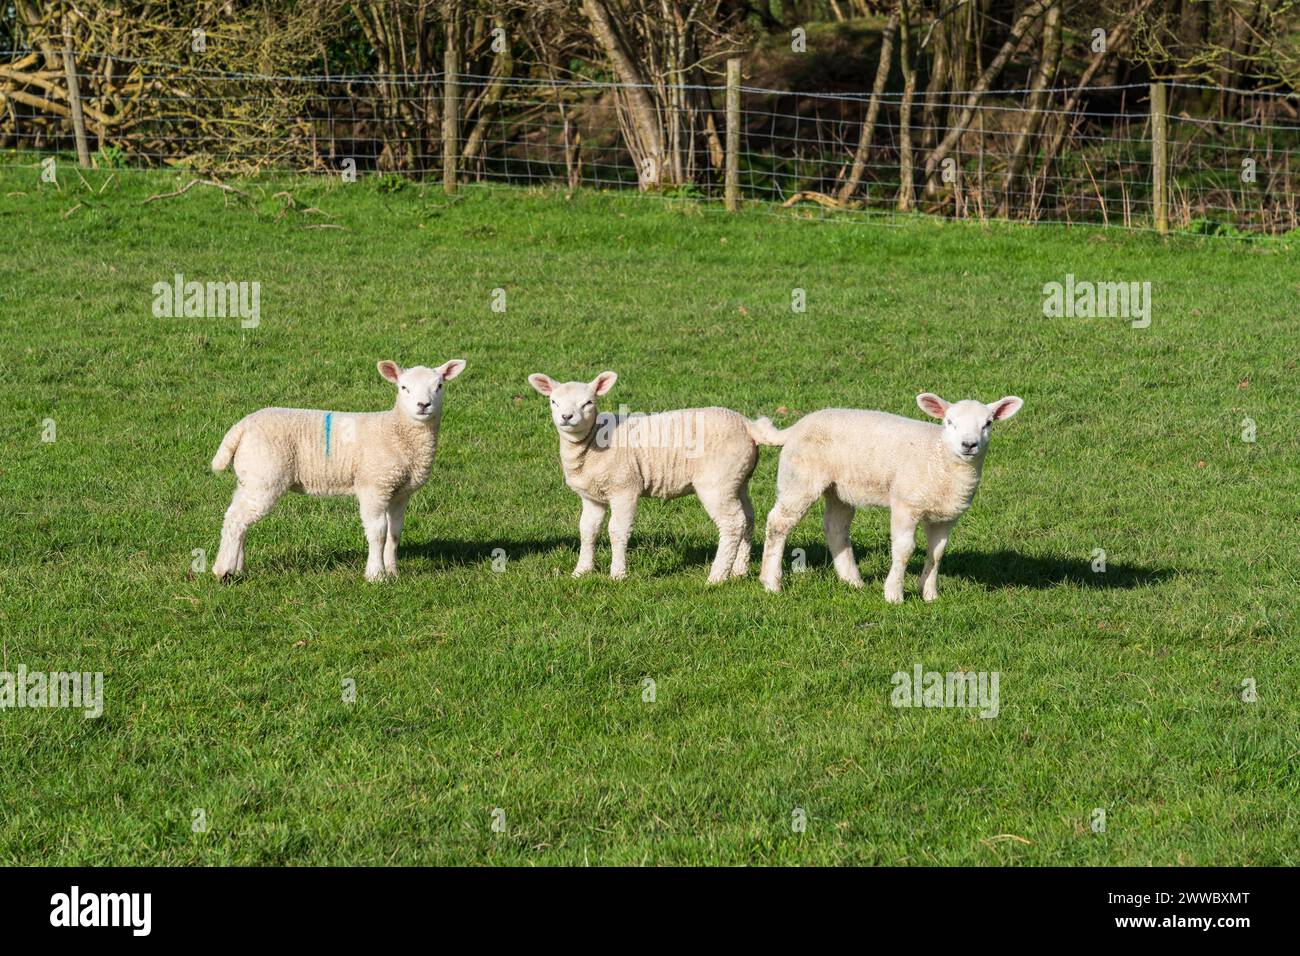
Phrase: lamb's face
x=419 y=393
x=573 y=404
x=573 y=407
x=967 y=425
x=966 y=428
x=419 y=389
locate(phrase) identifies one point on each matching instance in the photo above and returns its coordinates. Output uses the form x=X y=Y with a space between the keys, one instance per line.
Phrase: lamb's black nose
x=566 y=418
x=969 y=446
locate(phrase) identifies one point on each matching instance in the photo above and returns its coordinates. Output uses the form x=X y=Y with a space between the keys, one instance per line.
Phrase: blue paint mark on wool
x=328 y=417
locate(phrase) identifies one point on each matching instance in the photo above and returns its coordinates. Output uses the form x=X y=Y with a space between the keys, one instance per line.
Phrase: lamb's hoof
x=929 y=596
x=740 y=572
x=770 y=585
x=375 y=576
x=617 y=575
x=894 y=597
x=852 y=582
x=717 y=578
x=579 y=572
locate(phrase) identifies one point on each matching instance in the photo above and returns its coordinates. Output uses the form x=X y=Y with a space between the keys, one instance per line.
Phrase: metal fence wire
x=1087 y=156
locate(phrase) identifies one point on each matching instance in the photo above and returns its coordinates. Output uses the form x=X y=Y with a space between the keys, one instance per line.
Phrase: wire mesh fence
x=1061 y=155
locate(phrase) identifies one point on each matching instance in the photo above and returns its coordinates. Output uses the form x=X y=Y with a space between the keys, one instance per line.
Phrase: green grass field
x=522 y=689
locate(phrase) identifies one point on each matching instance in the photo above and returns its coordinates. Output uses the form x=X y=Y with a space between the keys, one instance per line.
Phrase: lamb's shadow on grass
x=991 y=569
x=454 y=553
x=688 y=557
x=447 y=552
x=1006 y=568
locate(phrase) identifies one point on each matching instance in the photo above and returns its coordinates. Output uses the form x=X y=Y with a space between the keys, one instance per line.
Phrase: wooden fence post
x=450 y=113
x=731 y=190
x=1159 y=158
x=74 y=100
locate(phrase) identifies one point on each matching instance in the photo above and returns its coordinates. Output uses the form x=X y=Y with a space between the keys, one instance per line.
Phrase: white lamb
x=611 y=462
x=380 y=457
x=857 y=459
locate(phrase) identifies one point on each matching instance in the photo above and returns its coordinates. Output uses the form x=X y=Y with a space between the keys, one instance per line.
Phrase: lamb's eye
x=588 y=405
x=405 y=389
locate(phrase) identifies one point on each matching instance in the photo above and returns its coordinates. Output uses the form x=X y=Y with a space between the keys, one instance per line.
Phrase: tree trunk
x=1113 y=41
x=873 y=110
x=906 y=171
x=1048 y=59
x=991 y=72
x=502 y=66
x=648 y=139
x=934 y=113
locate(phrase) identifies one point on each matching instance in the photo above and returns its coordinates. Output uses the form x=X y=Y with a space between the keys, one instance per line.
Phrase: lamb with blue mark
x=381 y=458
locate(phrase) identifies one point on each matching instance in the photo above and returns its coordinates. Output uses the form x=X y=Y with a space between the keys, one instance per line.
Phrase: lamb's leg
x=239 y=552
x=785 y=514
x=396 y=517
x=728 y=514
x=740 y=567
x=232 y=533
x=593 y=516
x=374 y=517
x=622 y=514
x=902 y=542
x=248 y=506
x=936 y=539
x=836 y=522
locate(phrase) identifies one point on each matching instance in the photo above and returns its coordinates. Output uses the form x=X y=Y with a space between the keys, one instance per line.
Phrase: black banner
x=335 y=906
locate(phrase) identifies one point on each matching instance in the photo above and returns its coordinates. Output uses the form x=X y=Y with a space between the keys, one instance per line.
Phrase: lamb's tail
x=765 y=433
x=226 y=453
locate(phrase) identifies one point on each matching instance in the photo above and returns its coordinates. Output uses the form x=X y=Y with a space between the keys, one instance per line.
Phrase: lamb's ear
x=390 y=370
x=449 y=370
x=931 y=404
x=1004 y=408
x=603 y=382
x=541 y=382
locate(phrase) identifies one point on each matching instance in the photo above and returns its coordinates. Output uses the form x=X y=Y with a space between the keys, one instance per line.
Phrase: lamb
x=611 y=462
x=922 y=472
x=381 y=458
